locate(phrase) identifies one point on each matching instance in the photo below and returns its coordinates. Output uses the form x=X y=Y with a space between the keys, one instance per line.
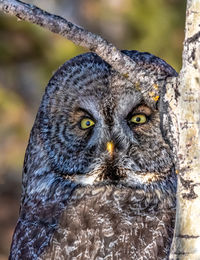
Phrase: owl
x=98 y=177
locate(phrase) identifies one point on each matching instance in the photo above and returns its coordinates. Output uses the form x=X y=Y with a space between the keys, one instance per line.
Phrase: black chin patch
x=111 y=172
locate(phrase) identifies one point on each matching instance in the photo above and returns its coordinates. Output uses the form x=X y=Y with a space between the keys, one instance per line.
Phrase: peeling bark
x=186 y=133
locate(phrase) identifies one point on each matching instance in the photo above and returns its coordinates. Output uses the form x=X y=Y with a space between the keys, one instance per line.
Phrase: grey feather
x=78 y=202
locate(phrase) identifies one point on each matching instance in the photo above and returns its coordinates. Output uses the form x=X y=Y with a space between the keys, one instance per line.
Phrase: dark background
x=29 y=55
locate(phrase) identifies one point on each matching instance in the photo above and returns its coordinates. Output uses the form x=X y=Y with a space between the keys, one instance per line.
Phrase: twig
x=107 y=51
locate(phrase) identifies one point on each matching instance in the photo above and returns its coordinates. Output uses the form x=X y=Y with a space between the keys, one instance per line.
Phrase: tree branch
x=107 y=51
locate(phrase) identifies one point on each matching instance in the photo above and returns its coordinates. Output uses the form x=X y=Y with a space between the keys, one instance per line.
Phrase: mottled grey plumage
x=78 y=201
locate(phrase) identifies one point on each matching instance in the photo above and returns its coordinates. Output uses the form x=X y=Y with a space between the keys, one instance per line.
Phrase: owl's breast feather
x=115 y=222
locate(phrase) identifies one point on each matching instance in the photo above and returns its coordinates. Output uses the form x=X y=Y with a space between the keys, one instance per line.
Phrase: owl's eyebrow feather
x=141 y=108
x=89 y=106
x=84 y=112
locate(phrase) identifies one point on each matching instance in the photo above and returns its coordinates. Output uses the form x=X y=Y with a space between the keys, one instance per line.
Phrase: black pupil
x=138 y=119
x=87 y=123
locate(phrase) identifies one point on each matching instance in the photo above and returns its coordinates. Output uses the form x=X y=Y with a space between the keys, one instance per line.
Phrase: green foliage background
x=29 y=55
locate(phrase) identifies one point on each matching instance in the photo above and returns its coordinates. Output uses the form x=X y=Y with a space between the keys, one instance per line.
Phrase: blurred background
x=29 y=55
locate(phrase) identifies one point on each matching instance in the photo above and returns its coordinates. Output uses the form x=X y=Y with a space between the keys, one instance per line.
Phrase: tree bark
x=184 y=101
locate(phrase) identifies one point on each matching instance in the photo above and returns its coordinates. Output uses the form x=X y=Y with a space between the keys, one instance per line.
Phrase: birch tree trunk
x=184 y=102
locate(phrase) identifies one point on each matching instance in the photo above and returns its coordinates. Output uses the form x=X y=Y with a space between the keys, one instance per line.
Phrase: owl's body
x=113 y=223
x=81 y=199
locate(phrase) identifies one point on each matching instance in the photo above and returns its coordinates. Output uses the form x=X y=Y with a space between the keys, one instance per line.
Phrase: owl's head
x=94 y=126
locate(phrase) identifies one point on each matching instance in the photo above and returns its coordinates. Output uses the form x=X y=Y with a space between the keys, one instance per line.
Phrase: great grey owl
x=98 y=176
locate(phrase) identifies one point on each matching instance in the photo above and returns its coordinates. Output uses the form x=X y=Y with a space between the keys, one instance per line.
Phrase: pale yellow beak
x=110 y=148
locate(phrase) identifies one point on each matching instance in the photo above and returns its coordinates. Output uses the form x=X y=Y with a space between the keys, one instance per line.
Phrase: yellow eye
x=139 y=119
x=86 y=123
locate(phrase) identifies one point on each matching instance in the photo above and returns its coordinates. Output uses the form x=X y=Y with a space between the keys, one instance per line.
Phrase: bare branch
x=107 y=51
